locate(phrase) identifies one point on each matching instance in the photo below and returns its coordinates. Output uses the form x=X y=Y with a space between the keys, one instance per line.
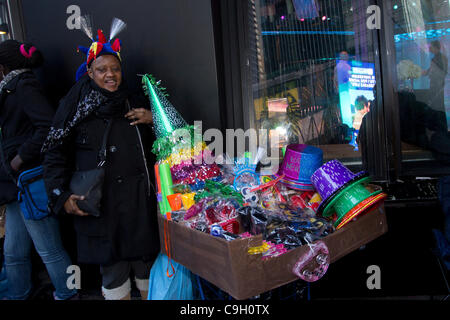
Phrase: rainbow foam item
x=299 y=163
x=158 y=191
x=166 y=186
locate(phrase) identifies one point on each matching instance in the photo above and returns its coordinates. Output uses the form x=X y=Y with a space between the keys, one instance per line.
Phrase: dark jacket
x=25 y=118
x=127 y=228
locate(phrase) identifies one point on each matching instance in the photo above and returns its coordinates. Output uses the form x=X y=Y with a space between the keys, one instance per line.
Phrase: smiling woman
x=106 y=71
x=98 y=114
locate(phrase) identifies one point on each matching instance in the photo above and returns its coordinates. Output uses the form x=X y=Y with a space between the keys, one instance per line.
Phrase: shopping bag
x=162 y=286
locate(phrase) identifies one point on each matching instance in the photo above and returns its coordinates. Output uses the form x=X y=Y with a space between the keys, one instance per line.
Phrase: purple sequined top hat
x=299 y=163
x=331 y=178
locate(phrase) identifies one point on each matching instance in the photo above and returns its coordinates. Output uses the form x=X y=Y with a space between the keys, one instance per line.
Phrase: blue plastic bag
x=177 y=287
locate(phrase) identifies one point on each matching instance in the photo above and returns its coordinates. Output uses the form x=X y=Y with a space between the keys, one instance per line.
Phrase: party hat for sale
x=166 y=118
x=174 y=137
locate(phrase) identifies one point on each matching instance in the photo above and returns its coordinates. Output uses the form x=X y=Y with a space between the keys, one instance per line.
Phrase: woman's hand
x=16 y=163
x=140 y=115
x=71 y=206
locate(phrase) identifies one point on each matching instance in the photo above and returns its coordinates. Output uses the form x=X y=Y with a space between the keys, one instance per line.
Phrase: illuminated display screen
x=355 y=79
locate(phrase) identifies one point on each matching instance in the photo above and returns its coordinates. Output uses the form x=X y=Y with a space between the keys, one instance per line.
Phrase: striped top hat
x=343 y=192
x=299 y=163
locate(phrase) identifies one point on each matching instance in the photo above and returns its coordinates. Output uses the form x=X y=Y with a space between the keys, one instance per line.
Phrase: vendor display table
x=229 y=266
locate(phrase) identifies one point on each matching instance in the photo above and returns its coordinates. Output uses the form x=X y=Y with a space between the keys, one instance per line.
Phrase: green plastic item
x=166 y=186
x=213 y=188
x=349 y=198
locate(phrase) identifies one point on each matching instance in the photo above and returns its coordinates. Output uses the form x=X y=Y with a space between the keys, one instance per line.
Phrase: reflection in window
x=422 y=47
x=4 y=22
x=313 y=72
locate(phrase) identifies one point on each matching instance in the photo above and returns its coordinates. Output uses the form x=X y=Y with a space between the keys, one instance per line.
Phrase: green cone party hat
x=166 y=118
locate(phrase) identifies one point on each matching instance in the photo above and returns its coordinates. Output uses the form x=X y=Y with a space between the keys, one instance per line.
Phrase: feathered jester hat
x=101 y=46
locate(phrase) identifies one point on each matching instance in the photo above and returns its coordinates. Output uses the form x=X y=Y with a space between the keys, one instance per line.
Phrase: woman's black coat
x=25 y=118
x=127 y=228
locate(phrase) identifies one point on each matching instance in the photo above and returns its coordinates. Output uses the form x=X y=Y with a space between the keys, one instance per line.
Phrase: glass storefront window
x=314 y=68
x=422 y=47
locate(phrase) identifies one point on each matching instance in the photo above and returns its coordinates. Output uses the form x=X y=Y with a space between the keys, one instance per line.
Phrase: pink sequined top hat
x=331 y=178
x=299 y=163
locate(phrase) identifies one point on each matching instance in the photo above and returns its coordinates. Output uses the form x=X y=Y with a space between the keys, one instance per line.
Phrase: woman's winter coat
x=25 y=119
x=127 y=227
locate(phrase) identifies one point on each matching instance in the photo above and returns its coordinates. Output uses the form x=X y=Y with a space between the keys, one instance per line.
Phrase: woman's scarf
x=11 y=76
x=84 y=98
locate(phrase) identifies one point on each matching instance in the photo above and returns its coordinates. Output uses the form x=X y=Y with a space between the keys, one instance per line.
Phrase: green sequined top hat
x=340 y=189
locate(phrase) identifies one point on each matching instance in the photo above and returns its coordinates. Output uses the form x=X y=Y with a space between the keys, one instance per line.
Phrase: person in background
x=124 y=239
x=362 y=106
x=25 y=118
x=437 y=73
x=342 y=73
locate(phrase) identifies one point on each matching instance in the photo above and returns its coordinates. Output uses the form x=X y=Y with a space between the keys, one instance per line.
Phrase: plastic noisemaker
x=174 y=201
x=166 y=185
x=188 y=200
x=313 y=265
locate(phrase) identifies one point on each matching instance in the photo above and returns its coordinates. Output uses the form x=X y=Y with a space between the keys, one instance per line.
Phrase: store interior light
x=281 y=130
x=4 y=28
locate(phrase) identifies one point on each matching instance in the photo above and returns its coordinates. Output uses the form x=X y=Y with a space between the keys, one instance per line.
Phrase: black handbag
x=89 y=183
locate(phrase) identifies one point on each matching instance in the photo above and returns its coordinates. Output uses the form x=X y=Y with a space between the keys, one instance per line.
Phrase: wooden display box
x=228 y=265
